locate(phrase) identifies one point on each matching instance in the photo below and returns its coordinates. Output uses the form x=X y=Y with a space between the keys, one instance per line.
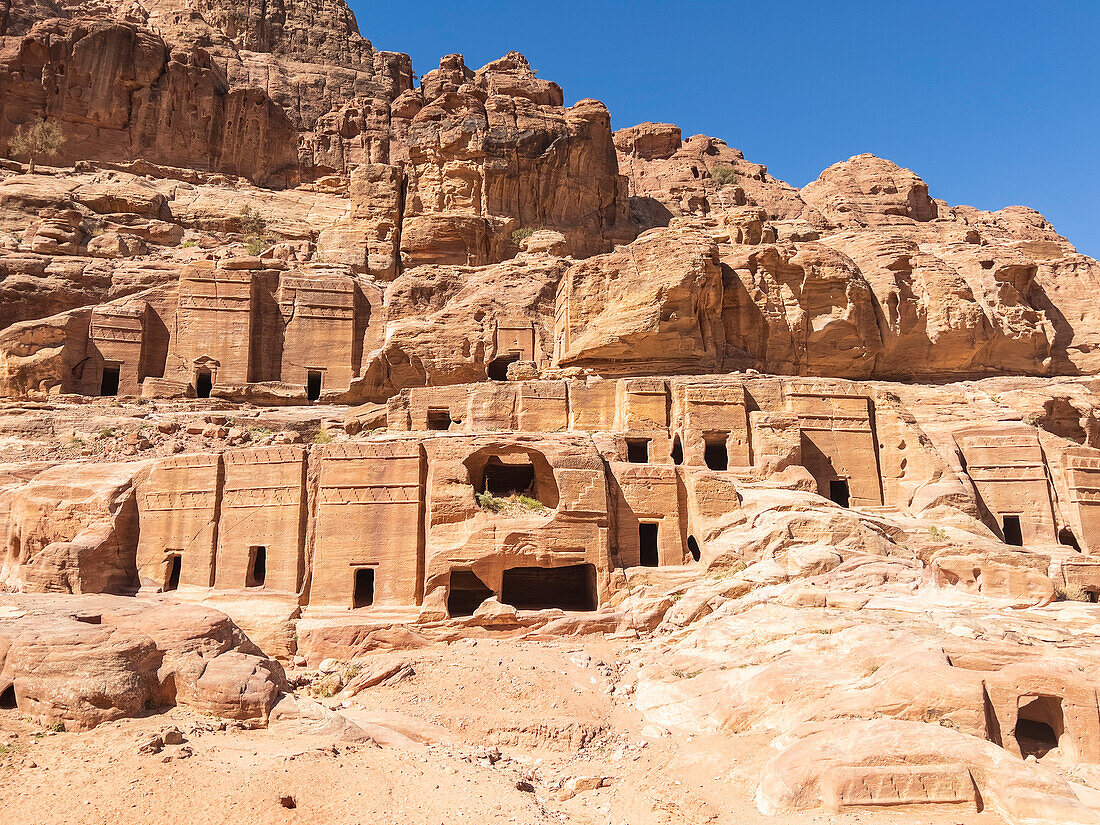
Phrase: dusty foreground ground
x=491 y=731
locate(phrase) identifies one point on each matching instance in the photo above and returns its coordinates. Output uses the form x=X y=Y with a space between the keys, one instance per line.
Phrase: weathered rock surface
x=82 y=662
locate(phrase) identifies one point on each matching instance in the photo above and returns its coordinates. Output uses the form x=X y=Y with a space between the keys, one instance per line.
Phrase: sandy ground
x=554 y=710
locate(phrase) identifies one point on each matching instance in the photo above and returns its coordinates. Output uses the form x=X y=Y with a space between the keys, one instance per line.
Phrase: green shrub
x=323 y=436
x=937 y=533
x=35 y=140
x=723 y=174
x=514 y=503
x=253 y=227
x=188 y=244
x=520 y=235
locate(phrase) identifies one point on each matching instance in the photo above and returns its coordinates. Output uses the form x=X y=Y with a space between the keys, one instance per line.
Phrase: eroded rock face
x=868 y=191
x=121 y=108
x=653 y=302
x=493 y=152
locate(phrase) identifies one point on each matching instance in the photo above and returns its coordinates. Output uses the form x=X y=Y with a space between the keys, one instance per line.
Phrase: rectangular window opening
x=637 y=450
x=439 y=419
x=647 y=540
x=1010 y=527
x=364 y=587
x=109 y=384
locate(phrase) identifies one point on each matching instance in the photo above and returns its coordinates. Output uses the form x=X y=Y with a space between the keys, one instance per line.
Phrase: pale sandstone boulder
x=545 y=242
x=799 y=309
x=35 y=356
x=71 y=528
x=238 y=686
x=653 y=303
x=86 y=661
x=116 y=245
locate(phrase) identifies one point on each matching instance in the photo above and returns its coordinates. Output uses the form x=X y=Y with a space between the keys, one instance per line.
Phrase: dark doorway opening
x=693 y=548
x=498 y=367
x=637 y=450
x=257 y=567
x=647 y=542
x=364 y=587
x=172 y=578
x=715 y=455
x=465 y=593
x=677 y=451
x=1039 y=724
x=1010 y=527
x=109 y=384
x=1066 y=538
x=538 y=588
x=313 y=385
x=509 y=479
x=838 y=492
x=439 y=419
x=204 y=382
x=7 y=698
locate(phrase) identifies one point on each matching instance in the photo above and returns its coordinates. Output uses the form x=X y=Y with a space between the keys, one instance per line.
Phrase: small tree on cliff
x=253 y=226
x=35 y=140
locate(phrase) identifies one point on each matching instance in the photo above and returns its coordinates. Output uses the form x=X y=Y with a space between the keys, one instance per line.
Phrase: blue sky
x=992 y=103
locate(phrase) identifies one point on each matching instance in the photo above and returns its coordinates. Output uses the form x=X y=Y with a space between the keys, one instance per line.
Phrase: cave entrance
x=257 y=567
x=204 y=382
x=715 y=454
x=465 y=593
x=108 y=385
x=1039 y=726
x=647 y=543
x=509 y=479
x=839 y=492
x=538 y=588
x=172 y=572
x=1067 y=539
x=363 y=595
x=313 y=385
x=498 y=367
x=7 y=698
x=693 y=548
x=637 y=450
x=1011 y=530
x=677 y=454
